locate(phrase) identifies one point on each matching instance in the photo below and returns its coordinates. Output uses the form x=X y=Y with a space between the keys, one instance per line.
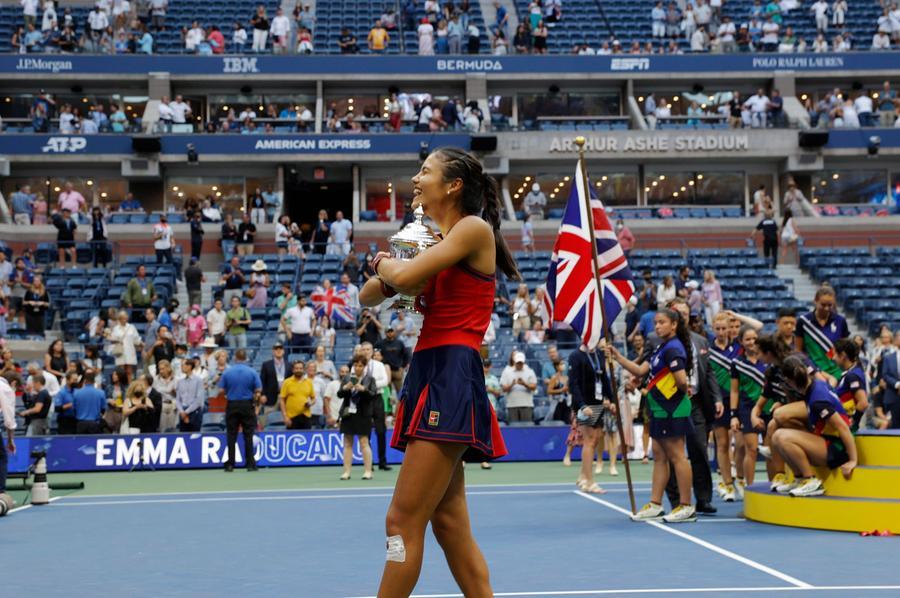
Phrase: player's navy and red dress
x=444 y=398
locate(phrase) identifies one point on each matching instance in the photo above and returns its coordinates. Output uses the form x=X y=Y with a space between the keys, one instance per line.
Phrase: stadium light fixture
x=57 y=189
x=699 y=177
x=675 y=194
x=662 y=177
x=553 y=196
x=175 y=188
x=604 y=177
x=90 y=182
x=835 y=176
x=640 y=98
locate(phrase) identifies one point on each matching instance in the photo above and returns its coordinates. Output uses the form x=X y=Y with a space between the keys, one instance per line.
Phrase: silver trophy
x=412 y=239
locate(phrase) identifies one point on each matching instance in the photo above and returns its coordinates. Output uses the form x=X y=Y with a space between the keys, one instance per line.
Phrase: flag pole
x=580 y=141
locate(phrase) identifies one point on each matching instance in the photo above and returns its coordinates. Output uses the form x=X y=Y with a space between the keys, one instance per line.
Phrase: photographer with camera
x=359 y=394
x=368 y=328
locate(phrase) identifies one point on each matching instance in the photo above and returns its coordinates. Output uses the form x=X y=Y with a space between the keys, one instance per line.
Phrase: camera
x=38 y=454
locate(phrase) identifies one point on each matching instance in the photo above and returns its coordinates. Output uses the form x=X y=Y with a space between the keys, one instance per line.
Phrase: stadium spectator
x=215 y=322
x=758 y=105
x=347 y=42
x=795 y=201
x=238 y=37
x=665 y=291
x=56 y=363
x=124 y=341
x=395 y=355
x=22 y=204
x=359 y=393
x=887 y=104
x=378 y=38
x=181 y=110
x=820 y=9
x=304 y=41
x=258 y=292
x=890 y=376
x=700 y=40
x=195 y=327
x=242 y=390
x=658 y=20
x=499 y=44
x=726 y=35
x=35 y=304
x=425 y=35
x=473 y=39
x=193 y=37
x=281 y=32
x=519 y=382
x=341 y=233
x=246 y=234
x=236 y=323
x=839 y=13
x=272 y=375
x=37 y=402
x=190 y=397
x=712 y=295
x=539 y=37
x=298 y=322
x=770 y=31
x=296 y=397
x=260 y=23
x=881 y=41
x=324 y=333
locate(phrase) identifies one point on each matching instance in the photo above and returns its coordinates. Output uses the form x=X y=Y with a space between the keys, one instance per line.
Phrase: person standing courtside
x=242 y=388
x=376 y=369
x=706 y=405
x=9 y=382
x=272 y=374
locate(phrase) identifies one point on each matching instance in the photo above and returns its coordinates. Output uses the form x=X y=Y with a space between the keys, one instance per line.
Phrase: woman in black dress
x=36 y=303
x=359 y=393
x=55 y=360
x=97 y=238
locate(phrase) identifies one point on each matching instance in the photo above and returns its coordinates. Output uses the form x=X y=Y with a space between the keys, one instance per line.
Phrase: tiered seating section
x=868 y=286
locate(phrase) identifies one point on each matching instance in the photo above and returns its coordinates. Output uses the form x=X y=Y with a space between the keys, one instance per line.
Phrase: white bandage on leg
x=396 y=551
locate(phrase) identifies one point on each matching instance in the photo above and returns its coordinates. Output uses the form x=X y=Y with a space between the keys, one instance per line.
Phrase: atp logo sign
x=63 y=145
x=239 y=65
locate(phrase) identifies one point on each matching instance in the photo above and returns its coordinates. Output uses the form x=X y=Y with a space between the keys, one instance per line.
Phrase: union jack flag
x=334 y=303
x=571 y=284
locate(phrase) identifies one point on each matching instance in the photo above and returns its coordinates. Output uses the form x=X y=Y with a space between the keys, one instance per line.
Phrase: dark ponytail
x=684 y=335
x=480 y=197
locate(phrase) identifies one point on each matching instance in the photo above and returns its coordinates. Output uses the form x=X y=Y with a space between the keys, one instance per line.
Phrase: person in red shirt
x=216 y=40
x=444 y=416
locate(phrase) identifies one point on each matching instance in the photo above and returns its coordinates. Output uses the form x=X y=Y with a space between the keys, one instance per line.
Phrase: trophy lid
x=415 y=233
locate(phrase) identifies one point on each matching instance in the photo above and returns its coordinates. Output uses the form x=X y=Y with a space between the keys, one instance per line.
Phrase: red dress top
x=457 y=305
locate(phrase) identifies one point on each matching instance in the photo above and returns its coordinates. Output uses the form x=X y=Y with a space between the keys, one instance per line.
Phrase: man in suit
x=273 y=373
x=890 y=375
x=706 y=405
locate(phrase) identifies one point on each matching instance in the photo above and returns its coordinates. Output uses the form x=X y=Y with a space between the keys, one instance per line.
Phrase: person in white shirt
x=304 y=117
x=341 y=229
x=425 y=114
x=864 y=105
x=51 y=382
x=699 y=40
x=820 y=44
x=702 y=13
x=246 y=113
x=820 y=8
x=663 y=109
x=215 y=322
x=841 y=43
x=194 y=36
x=758 y=105
x=331 y=401
x=29 y=11
x=298 y=322
x=519 y=382
x=838 y=13
x=162 y=240
x=180 y=110
x=377 y=370
x=881 y=41
x=49 y=20
x=770 y=31
x=851 y=117
x=166 y=114
x=120 y=11
x=895 y=22
x=352 y=290
x=98 y=22
x=9 y=383
x=280 y=30
x=239 y=38
x=726 y=35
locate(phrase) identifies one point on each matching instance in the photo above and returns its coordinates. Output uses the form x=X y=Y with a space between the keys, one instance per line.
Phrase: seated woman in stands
x=826 y=441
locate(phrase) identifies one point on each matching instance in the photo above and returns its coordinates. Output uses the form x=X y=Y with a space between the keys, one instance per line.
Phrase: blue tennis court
x=539 y=539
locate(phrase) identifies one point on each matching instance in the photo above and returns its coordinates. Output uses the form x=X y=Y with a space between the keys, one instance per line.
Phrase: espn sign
x=629 y=64
x=64 y=145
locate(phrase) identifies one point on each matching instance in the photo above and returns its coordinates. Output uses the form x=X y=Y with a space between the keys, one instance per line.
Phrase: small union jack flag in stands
x=571 y=284
x=334 y=303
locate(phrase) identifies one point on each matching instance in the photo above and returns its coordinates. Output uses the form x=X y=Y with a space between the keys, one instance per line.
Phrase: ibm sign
x=239 y=64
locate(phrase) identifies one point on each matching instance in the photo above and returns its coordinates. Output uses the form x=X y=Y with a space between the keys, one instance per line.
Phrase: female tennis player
x=444 y=416
x=748 y=376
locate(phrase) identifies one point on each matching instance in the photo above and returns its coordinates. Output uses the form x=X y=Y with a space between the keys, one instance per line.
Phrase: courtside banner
x=273 y=449
x=228 y=144
x=325 y=66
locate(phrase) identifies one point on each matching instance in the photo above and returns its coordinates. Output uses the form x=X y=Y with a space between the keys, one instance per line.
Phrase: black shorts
x=837 y=452
x=65 y=244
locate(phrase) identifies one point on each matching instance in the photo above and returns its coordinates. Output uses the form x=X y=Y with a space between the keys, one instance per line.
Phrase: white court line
x=708 y=545
x=29 y=505
x=669 y=591
x=93 y=503
x=638 y=485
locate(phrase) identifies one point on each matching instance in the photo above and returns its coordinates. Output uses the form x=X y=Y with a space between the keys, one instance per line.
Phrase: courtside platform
x=869 y=500
x=300 y=532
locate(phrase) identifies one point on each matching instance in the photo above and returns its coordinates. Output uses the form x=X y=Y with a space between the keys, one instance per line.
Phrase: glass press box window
x=107 y=193
x=384 y=192
x=612 y=188
x=850 y=187
x=694 y=188
x=531 y=106
x=227 y=192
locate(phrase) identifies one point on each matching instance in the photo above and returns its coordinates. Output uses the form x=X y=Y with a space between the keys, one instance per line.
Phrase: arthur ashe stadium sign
x=658 y=141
